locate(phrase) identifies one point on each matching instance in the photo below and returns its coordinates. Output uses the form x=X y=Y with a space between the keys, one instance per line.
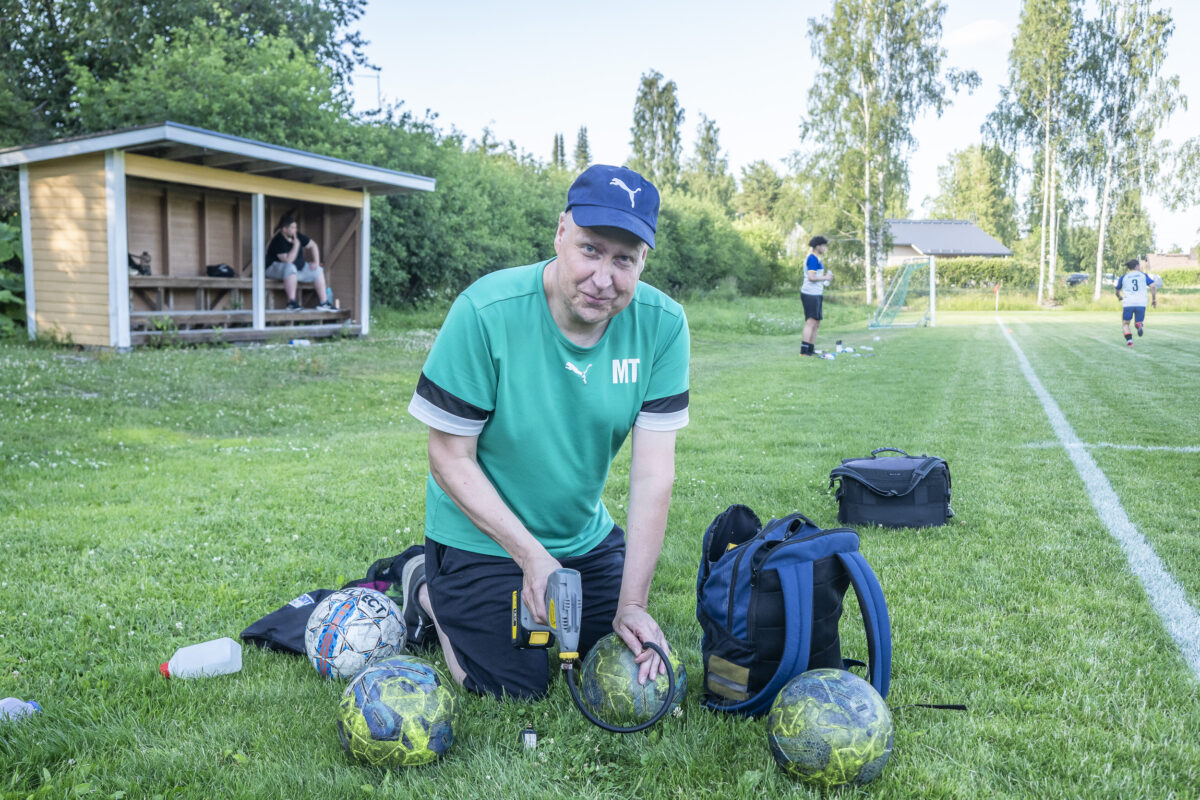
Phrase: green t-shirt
x=550 y=415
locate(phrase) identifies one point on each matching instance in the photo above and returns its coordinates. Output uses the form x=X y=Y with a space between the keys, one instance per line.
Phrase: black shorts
x=471 y=595
x=812 y=305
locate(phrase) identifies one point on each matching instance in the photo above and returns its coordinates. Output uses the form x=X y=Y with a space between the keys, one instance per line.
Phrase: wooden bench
x=157 y=291
x=187 y=320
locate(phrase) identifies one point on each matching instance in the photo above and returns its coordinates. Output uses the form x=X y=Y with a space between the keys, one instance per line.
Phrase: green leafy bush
x=12 y=281
x=974 y=271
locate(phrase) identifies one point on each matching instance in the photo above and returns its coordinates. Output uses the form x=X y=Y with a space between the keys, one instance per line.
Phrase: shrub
x=972 y=271
x=12 y=281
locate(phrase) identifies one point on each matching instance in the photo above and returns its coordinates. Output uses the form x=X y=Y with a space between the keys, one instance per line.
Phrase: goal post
x=910 y=299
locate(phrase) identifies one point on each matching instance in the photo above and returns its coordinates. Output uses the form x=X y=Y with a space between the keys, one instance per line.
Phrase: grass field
x=160 y=498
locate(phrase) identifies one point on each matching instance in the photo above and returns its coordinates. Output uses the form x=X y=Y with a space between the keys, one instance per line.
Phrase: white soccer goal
x=911 y=296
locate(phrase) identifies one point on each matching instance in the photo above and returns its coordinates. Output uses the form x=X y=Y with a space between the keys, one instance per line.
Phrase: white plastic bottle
x=218 y=657
x=12 y=709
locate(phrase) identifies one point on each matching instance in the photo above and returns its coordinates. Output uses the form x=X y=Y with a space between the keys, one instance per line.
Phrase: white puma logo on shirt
x=575 y=369
x=630 y=192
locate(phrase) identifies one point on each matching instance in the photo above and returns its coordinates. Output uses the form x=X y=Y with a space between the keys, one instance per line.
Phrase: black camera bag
x=896 y=492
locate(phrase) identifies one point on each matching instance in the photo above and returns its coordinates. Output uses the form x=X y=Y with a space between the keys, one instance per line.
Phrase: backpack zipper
x=754 y=572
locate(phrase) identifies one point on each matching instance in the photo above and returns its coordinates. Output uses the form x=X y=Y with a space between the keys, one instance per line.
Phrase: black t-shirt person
x=280 y=246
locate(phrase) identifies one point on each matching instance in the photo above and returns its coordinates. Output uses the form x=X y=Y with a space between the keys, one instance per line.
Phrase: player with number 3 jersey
x=1132 y=290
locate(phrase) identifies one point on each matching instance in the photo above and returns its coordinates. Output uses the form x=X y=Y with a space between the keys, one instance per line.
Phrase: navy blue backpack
x=769 y=600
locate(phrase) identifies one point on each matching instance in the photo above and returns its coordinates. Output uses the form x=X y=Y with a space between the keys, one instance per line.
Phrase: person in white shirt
x=1132 y=290
x=816 y=278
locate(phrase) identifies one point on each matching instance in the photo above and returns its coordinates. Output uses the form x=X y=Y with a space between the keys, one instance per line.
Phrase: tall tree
x=707 y=174
x=559 y=158
x=1124 y=51
x=583 y=153
x=208 y=76
x=761 y=186
x=45 y=40
x=657 y=117
x=1132 y=232
x=1183 y=188
x=880 y=66
x=976 y=184
x=1038 y=105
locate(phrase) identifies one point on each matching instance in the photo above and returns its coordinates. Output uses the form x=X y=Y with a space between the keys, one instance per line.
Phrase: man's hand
x=636 y=627
x=533 y=585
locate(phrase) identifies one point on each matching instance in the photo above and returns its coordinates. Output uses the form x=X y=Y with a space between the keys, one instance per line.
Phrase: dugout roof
x=175 y=142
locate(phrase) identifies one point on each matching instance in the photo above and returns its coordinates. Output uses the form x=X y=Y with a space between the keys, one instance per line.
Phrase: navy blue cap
x=615 y=197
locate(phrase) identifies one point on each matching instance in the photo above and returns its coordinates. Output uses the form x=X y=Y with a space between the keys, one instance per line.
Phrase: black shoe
x=1139 y=330
x=326 y=306
x=419 y=630
x=294 y=306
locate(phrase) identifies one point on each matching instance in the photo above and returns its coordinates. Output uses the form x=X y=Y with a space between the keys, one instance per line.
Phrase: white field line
x=1166 y=595
x=1187 y=448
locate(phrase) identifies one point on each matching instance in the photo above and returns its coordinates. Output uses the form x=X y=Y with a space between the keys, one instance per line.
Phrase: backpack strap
x=875 y=619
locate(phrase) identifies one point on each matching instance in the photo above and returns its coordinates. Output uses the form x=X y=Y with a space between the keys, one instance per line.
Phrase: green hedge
x=1182 y=278
x=976 y=271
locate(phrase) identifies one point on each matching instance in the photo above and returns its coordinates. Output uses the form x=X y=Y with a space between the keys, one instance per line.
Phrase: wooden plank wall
x=69 y=228
x=336 y=232
x=185 y=228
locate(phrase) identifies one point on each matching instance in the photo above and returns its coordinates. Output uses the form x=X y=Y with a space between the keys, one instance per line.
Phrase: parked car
x=1076 y=278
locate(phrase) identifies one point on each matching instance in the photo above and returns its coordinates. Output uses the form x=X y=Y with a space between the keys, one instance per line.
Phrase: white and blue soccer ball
x=351 y=629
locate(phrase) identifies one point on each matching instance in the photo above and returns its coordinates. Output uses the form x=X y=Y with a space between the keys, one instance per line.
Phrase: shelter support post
x=118 y=249
x=258 y=246
x=932 y=291
x=364 y=268
x=27 y=253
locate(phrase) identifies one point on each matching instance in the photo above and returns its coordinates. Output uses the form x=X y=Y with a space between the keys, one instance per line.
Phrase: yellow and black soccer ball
x=398 y=712
x=830 y=727
x=610 y=689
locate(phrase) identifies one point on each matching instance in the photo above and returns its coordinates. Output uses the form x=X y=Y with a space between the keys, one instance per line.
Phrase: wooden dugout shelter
x=188 y=197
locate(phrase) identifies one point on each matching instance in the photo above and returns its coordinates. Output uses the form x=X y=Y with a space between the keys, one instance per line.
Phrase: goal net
x=911 y=296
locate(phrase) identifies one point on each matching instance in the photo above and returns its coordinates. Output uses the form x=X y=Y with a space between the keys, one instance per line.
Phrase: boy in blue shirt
x=816 y=278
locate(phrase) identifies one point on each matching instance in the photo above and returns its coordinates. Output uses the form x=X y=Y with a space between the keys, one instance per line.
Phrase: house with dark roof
x=942 y=238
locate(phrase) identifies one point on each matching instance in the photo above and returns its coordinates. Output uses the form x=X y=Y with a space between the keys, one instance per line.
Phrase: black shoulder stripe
x=666 y=405
x=447 y=402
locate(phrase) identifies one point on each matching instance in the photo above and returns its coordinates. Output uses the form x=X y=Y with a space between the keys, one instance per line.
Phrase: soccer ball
x=830 y=727
x=398 y=712
x=350 y=629
x=609 y=679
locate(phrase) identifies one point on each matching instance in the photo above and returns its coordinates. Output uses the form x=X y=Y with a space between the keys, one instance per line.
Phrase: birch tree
x=1125 y=48
x=1033 y=105
x=880 y=66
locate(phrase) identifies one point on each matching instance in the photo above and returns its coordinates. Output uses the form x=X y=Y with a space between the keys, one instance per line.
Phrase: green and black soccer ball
x=830 y=727
x=398 y=712
x=610 y=688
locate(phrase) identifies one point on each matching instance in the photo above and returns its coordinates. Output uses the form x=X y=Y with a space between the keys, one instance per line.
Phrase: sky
x=529 y=69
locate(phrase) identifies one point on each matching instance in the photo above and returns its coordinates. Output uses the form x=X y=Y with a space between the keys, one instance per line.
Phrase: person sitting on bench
x=294 y=258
